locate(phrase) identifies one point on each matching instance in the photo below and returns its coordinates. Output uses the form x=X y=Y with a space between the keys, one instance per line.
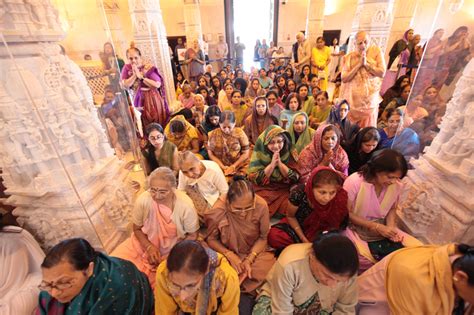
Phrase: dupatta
x=251 y=124
x=305 y=137
x=191 y=133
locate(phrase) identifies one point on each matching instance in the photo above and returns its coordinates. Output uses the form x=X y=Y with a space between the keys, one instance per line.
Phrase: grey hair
x=164 y=173
x=186 y=156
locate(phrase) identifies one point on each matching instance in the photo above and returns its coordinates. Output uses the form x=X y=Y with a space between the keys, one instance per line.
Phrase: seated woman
x=441 y=281
x=208 y=99
x=224 y=100
x=433 y=102
x=211 y=122
x=238 y=225
x=20 y=274
x=393 y=92
x=228 y=146
x=184 y=135
x=79 y=280
x=318 y=205
x=199 y=109
x=159 y=151
x=301 y=133
x=195 y=280
x=324 y=150
x=413 y=112
x=321 y=110
x=259 y=120
x=161 y=217
x=395 y=136
x=272 y=168
x=317 y=278
x=338 y=118
x=401 y=100
x=253 y=91
x=373 y=194
x=307 y=100
x=203 y=181
x=360 y=150
x=292 y=106
x=187 y=97
x=239 y=108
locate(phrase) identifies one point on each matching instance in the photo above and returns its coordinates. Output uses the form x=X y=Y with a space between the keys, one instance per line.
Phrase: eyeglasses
x=48 y=287
x=156 y=138
x=245 y=209
x=176 y=289
x=155 y=191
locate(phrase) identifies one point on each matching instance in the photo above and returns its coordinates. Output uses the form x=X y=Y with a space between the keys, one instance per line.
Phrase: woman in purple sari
x=147 y=84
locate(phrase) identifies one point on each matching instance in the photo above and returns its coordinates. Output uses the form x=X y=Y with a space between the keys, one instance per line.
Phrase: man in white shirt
x=221 y=52
x=205 y=49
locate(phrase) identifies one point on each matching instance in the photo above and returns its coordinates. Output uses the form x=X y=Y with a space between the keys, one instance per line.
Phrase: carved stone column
x=315 y=21
x=192 y=21
x=375 y=17
x=60 y=172
x=439 y=204
x=149 y=34
x=402 y=21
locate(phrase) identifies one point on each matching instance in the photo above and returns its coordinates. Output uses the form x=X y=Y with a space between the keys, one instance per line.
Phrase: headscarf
x=313 y=154
x=261 y=156
x=347 y=128
x=213 y=110
x=251 y=123
x=356 y=158
x=305 y=137
x=323 y=217
x=191 y=133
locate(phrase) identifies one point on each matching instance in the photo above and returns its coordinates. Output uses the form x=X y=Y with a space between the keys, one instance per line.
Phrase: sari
x=274 y=189
x=313 y=154
x=406 y=142
x=116 y=287
x=286 y=116
x=320 y=58
x=240 y=113
x=383 y=288
x=311 y=215
x=370 y=206
x=184 y=143
x=165 y=158
x=240 y=234
x=300 y=141
x=229 y=148
x=308 y=105
x=152 y=100
x=254 y=125
x=319 y=115
x=161 y=231
x=347 y=128
x=219 y=292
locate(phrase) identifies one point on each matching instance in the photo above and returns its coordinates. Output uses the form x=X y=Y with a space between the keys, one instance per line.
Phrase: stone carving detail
x=443 y=178
x=60 y=171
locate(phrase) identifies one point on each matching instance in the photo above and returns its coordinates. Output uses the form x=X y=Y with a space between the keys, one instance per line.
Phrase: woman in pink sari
x=147 y=85
x=373 y=196
x=162 y=216
x=362 y=73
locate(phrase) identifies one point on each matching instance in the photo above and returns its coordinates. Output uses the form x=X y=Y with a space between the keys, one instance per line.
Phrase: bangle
x=254 y=254
x=297 y=228
x=148 y=247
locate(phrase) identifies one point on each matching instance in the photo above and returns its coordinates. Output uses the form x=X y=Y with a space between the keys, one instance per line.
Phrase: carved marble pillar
x=60 y=172
x=192 y=21
x=402 y=20
x=315 y=20
x=439 y=203
x=149 y=34
x=375 y=17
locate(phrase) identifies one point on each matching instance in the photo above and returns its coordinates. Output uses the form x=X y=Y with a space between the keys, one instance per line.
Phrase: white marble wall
x=58 y=167
x=439 y=205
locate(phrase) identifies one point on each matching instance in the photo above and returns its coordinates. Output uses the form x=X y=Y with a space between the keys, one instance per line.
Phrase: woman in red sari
x=147 y=85
x=318 y=205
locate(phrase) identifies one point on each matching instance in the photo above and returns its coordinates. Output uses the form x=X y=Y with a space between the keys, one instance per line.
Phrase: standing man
x=205 y=48
x=239 y=52
x=303 y=51
x=362 y=73
x=179 y=45
x=262 y=53
x=221 y=52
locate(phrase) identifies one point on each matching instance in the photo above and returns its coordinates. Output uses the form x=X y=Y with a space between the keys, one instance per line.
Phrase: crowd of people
x=248 y=149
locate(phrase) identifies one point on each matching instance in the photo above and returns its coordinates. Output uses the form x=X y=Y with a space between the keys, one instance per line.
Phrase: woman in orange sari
x=238 y=228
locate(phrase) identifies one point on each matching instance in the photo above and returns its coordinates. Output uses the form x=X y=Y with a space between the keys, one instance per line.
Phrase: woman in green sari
x=272 y=168
x=300 y=132
x=79 y=280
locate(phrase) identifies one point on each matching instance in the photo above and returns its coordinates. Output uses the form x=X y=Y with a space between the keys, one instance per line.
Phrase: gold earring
x=455 y=279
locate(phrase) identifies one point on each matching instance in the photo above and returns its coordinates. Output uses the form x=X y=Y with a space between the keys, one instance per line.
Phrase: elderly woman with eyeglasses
x=159 y=151
x=238 y=226
x=162 y=216
x=79 y=280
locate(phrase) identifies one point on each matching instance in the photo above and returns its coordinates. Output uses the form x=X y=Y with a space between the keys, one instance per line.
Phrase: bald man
x=362 y=73
x=303 y=51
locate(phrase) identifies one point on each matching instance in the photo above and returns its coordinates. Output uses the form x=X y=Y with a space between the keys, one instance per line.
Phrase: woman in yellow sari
x=431 y=279
x=184 y=135
x=320 y=59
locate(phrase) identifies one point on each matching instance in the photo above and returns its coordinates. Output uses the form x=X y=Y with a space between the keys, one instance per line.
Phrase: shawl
x=305 y=137
x=357 y=158
x=348 y=129
x=238 y=234
x=326 y=216
x=116 y=286
x=313 y=154
x=191 y=133
x=406 y=142
x=428 y=271
x=251 y=124
x=261 y=156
